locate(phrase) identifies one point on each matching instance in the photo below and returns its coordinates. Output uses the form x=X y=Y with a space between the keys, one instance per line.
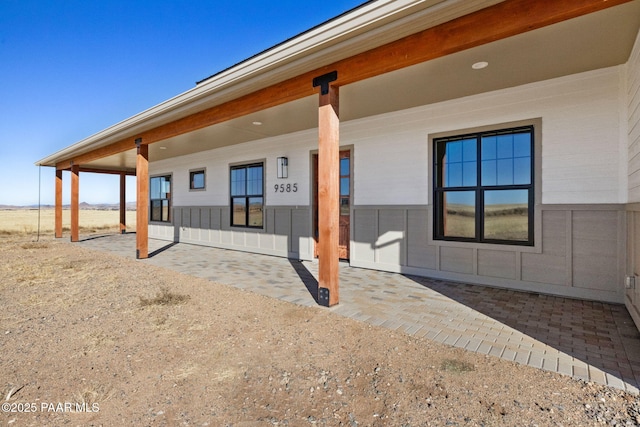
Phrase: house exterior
x=490 y=142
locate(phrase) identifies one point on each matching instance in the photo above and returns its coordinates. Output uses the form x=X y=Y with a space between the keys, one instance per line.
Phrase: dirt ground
x=88 y=338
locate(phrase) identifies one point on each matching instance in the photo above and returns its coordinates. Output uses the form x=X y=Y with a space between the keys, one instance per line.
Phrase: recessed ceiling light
x=163 y=148
x=480 y=65
x=257 y=123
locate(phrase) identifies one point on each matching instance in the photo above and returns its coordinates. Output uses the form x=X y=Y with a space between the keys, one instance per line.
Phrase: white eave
x=373 y=24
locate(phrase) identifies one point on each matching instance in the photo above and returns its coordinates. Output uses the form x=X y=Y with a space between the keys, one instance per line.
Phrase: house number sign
x=286 y=188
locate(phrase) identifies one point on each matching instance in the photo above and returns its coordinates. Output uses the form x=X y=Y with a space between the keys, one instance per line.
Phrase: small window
x=197 y=179
x=160 y=195
x=247 y=195
x=483 y=187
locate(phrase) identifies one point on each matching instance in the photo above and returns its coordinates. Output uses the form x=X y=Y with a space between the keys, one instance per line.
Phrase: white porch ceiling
x=593 y=41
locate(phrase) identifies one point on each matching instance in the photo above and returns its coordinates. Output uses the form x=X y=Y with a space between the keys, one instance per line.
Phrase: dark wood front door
x=345 y=204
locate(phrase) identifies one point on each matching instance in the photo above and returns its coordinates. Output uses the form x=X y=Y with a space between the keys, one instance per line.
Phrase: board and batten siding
x=632 y=296
x=581 y=254
x=391 y=211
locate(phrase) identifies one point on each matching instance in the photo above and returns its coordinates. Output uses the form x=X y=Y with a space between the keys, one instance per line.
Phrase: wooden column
x=123 y=203
x=142 y=200
x=58 y=209
x=328 y=190
x=75 y=205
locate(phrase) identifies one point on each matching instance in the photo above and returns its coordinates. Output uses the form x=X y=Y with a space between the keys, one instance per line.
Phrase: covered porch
x=586 y=340
x=366 y=63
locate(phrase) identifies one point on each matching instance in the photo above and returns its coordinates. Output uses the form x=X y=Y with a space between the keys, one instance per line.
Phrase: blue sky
x=69 y=69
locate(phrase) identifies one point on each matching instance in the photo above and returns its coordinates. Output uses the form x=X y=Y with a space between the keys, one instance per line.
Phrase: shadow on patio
x=601 y=335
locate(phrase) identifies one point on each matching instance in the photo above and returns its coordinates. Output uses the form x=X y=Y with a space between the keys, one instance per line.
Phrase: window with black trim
x=160 y=195
x=197 y=179
x=483 y=187
x=247 y=195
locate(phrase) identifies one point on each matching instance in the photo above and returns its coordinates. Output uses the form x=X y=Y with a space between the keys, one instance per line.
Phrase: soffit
x=593 y=41
x=590 y=42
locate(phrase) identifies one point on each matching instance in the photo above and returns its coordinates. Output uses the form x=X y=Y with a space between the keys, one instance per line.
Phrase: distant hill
x=131 y=206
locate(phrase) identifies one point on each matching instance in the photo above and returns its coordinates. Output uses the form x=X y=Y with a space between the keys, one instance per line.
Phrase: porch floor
x=587 y=340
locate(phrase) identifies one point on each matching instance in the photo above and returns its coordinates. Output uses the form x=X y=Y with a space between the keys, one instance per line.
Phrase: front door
x=345 y=204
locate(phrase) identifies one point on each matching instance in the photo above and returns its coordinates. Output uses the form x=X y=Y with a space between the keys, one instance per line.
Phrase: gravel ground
x=89 y=338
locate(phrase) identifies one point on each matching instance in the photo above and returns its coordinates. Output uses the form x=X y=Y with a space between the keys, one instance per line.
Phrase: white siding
x=295 y=147
x=632 y=296
x=390 y=165
x=633 y=90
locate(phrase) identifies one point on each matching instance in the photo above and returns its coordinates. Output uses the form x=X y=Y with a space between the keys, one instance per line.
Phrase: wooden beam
x=123 y=203
x=58 y=208
x=99 y=153
x=75 y=202
x=142 y=201
x=66 y=166
x=109 y=172
x=496 y=22
x=328 y=196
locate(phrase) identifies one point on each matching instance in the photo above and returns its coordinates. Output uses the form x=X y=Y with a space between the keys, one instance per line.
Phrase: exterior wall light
x=283 y=167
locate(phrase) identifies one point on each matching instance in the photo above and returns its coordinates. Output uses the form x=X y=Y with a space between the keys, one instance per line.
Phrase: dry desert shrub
x=94 y=394
x=164 y=297
x=35 y=245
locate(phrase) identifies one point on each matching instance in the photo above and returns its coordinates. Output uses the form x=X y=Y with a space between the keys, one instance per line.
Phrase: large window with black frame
x=484 y=187
x=160 y=195
x=247 y=195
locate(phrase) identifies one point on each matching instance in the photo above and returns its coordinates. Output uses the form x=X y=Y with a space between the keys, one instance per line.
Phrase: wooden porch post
x=328 y=190
x=75 y=207
x=142 y=200
x=58 y=209
x=123 y=203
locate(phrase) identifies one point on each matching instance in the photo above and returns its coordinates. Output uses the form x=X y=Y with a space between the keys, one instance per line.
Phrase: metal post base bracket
x=323 y=297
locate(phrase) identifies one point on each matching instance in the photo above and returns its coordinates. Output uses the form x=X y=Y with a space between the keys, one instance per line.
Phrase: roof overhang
x=595 y=40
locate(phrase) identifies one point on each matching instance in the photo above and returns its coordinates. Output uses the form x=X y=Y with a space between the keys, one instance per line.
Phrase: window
x=247 y=199
x=160 y=193
x=196 y=179
x=483 y=187
x=345 y=185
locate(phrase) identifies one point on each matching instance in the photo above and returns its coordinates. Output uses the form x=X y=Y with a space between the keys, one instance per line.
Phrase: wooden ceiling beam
x=109 y=171
x=108 y=150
